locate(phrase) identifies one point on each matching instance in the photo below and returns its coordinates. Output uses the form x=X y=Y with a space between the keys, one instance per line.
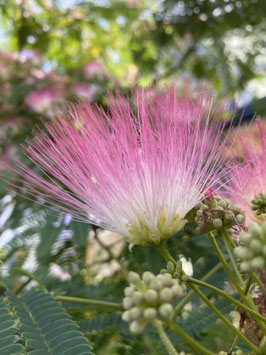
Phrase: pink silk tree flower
x=248 y=178
x=136 y=171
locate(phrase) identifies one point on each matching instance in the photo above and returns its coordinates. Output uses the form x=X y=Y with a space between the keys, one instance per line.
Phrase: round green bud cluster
x=216 y=213
x=259 y=204
x=149 y=298
x=253 y=251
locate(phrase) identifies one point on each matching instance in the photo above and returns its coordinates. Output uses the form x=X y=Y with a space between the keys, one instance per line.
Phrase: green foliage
x=44 y=326
x=8 y=338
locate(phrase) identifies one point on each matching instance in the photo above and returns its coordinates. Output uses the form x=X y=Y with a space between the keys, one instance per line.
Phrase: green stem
x=188 y=296
x=21 y=287
x=164 y=338
x=224 y=319
x=233 y=345
x=255 y=314
x=165 y=253
x=190 y=341
x=246 y=298
x=229 y=252
x=227 y=269
x=258 y=281
x=18 y=270
x=228 y=238
x=248 y=285
x=117 y=306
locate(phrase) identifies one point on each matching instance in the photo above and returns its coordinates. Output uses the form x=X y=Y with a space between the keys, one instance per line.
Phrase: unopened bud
x=234 y=207
x=163 y=271
x=156 y=284
x=217 y=223
x=129 y=290
x=147 y=277
x=245 y=266
x=133 y=277
x=255 y=245
x=255 y=230
x=177 y=291
x=170 y=266
x=137 y=297
x=243 y=253
x=167 y=279
x=150 y=313
x=239 y=218
x=166 y=310
x=136 y=327
x=245 y=237
x=128 y=302
x=126 y=316
x=135 y=313
x=257 y=262
x=222 y=203
x=151 y=296
x=166 y=294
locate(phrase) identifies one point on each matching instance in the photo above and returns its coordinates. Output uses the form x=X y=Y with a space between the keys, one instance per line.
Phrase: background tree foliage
x=58 y=51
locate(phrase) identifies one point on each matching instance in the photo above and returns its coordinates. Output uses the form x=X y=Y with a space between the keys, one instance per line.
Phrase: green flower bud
x=166 y=310
x=255 y=245
x=222 y=203
x=150 y=313
x=217 y=197
x=170 y=266
x=136 y=327
x=239 y=218
x=167 y=279
x=255 y=230
x=129 y=290
x=126 y=316
x=133 y=277
x=227 y=202
x=229 y=216
x=147 y=277
x=217 y=223
x=199 y=213
x=128 y=303
x=245 y=266
x=177 y=291
x=166 y=295
x=135 y=313
x=245 y=237
x=156 y=284
x=243 y=253
x=137 y=297
x=151 y=296
x=234 y=207
x=257 y=262
x=163 y=271
x=184 y=277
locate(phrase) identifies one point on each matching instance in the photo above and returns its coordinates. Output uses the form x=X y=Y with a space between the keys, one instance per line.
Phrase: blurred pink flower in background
x=136 y=172
x=85 y=90
x=41 y=100
x=248 y=178
x=95 y=70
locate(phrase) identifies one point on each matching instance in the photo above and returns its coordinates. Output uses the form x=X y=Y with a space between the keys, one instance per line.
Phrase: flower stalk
x=164 y=338
x=115 y=306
